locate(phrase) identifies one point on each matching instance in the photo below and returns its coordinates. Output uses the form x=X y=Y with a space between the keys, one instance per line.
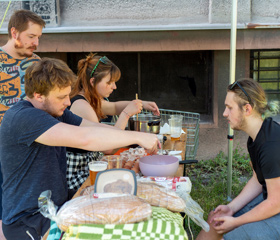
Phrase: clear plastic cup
x=175 y=125
x=160 y=138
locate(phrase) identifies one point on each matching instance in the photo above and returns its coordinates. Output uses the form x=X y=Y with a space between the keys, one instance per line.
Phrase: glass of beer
x=94 y=168
x=175 y=128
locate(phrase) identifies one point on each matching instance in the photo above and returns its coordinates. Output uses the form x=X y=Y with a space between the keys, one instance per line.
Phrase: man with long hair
x=255 y=212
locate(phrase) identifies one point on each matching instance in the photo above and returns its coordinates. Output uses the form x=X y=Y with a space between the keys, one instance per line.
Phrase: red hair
x=85 y=67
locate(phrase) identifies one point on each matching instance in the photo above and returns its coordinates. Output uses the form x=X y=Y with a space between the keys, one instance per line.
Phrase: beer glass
x=94 y=168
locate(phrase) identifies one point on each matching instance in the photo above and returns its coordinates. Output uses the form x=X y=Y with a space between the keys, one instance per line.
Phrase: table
x=178 y=145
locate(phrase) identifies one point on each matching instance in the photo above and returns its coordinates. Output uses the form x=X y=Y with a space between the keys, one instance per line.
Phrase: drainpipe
x=231 y=80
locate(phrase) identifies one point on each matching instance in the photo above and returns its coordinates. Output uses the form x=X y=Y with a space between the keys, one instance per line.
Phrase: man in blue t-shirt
x=255 y=212
x=24 y=30
x=33 y=137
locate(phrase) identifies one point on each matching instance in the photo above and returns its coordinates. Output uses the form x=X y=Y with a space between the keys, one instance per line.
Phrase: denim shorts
x=268 y=229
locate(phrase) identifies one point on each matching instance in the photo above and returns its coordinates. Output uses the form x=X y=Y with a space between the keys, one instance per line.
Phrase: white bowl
x=159 y=165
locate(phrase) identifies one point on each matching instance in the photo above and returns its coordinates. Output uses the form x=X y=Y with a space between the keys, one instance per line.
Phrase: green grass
x=209 y=181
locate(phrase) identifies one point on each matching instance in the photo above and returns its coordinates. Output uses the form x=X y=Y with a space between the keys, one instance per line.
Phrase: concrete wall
x=90 y=13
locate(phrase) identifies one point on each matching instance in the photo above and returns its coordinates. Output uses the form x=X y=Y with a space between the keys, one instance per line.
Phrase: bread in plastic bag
x=160 y=196
x=102 y=208
x=190 y=207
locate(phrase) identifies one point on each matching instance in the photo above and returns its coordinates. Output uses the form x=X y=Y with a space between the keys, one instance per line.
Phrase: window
x=265 y=68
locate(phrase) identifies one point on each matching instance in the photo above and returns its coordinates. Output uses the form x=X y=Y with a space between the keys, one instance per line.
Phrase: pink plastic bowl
x=159 y=165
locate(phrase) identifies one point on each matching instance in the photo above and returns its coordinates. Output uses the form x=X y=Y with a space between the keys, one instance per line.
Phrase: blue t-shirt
x=28 y=167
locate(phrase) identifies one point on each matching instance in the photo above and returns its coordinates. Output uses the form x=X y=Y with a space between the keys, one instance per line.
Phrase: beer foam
x=98 y=167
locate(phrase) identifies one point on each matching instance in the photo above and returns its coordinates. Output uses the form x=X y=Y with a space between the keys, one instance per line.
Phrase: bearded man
x=255 y=213
x=24 y=31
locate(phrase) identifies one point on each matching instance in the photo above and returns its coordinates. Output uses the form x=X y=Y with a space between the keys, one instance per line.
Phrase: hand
x=220 y=211
x=134 y=107
x=151 y=106
x=149 y=142
x=225 y=225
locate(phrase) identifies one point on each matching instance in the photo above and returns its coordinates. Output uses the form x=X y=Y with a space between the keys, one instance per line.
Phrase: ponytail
x=272 y=109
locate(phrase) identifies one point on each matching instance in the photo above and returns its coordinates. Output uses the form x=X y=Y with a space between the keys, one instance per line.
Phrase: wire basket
x=191 y=123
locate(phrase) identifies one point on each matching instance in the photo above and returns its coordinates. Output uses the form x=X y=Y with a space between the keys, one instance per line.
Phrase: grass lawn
x=209 y=181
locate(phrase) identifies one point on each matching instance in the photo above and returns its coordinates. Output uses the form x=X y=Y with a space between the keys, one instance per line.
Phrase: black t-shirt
x=265 y=152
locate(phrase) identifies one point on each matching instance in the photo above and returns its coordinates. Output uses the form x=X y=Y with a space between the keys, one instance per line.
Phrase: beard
x=47 y=107
x=241 y=124
x=19 y=46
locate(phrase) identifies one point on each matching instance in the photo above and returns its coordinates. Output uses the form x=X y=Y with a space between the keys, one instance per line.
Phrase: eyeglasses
x=103 y=59
x=243 y=90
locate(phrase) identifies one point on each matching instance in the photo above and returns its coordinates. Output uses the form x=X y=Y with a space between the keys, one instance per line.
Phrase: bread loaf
x=113 y=210
x=159 y=196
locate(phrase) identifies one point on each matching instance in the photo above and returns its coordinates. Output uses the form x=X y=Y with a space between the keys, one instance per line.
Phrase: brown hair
x=85 y=69
x=20 y=19
x=47 y=74
x=256 y=97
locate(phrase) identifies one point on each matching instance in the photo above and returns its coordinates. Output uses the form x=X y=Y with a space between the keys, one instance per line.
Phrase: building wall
x=81 y=13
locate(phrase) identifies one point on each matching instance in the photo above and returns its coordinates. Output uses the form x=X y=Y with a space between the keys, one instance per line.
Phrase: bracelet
x=126 y=113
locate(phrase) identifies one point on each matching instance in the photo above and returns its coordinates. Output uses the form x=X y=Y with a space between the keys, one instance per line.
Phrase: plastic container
x=159 y=165
x=114 y=161
x=121 y=181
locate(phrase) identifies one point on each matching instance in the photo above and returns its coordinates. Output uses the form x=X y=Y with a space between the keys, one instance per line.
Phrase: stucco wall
x=90 y=13
x=131 y=12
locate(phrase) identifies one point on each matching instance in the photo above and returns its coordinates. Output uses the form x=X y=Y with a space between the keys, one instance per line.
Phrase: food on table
x=159 y=196
x=118 y=186
x=103 y=208
x=130 y=158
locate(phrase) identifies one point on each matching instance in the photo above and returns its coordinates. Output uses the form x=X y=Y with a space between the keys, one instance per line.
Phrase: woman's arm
x=126 y=109
x=131 y=107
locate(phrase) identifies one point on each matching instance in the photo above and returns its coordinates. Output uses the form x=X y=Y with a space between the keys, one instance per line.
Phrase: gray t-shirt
x=28 y=167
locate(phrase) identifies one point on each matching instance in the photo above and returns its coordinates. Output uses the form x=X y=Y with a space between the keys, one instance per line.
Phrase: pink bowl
x=159 y=165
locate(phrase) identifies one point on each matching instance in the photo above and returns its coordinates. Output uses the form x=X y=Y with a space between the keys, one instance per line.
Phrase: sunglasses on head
x=243 y=90
x=103 y=59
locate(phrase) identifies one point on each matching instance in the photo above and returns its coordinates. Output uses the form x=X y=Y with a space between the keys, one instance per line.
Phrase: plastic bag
x=190 y=207
x=98 y=208
x=160 y=196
